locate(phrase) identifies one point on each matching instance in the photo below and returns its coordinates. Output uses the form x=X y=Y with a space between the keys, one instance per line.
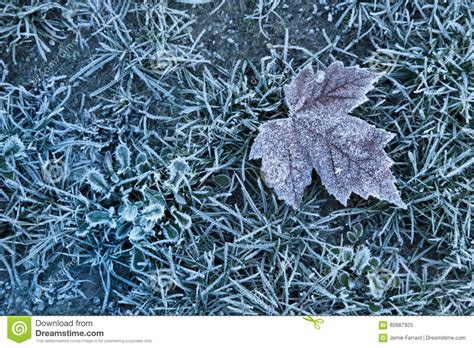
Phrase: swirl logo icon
x=163 y=62
x=382 y=61
x=163 y=281
x=54 y=171
x=19 y=328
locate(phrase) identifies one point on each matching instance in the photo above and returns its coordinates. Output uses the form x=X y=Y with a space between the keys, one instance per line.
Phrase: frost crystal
x=346 y=152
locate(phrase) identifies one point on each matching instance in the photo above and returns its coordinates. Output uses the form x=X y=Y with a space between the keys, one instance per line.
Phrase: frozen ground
x=125 y=182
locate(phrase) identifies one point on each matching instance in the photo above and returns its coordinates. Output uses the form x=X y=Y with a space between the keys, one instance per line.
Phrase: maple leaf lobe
x=285 y=165
x=349 y=158
x=336 y=89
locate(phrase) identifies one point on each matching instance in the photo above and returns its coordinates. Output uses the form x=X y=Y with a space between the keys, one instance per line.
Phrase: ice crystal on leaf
x=345 y=151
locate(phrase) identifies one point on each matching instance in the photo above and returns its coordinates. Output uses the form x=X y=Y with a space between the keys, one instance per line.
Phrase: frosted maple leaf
x=345 y=151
